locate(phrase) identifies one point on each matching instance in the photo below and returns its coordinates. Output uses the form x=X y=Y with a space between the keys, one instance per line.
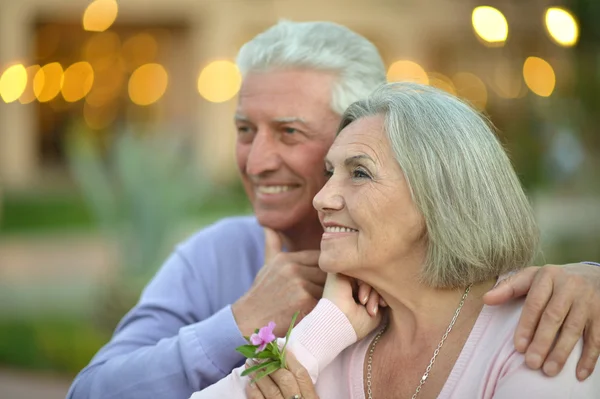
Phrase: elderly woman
x=422 y=205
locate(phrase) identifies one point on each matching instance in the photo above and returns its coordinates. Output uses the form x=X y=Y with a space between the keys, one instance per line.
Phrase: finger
x=534 y=306
x=571 y=331
x=514 y=286
x=591 y=351
x=372 y=304
x=273 y=244
x=315 y=290
x=252 y=391
x=268 y=388
x=315 y=276
x=307 y=388
x=382 y=303
x=548 y=327
x=306 y=258
x=286 y=383
x=364 y=291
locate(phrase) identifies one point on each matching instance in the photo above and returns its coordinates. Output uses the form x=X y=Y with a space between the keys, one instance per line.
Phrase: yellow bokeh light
x=102 y=50
x=28 y=95
x=13 y=83
x=471 y=88
x=539 y=76
x=219 y=81
x=405 y=70
x=490 y=25
x=139 y=49
x=441 y=81
x=100 y=15
x=147 y=84
x=108 y=85
x=48 y=82
x=562 y=26
x=78 y=80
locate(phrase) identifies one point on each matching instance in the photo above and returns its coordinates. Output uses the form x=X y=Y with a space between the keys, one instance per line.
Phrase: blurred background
x=116 y=139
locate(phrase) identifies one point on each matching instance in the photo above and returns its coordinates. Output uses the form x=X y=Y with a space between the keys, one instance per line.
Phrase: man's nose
x=264 y=154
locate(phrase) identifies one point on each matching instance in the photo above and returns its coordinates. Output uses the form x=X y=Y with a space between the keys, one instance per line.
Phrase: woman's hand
x=365 y=315
x=293 y=383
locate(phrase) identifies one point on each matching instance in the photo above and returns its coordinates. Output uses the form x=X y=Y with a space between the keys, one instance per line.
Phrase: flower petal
x=255 y=339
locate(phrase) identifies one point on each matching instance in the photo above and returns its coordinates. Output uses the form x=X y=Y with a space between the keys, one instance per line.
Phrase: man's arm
x=160 y=349
x=563 y=302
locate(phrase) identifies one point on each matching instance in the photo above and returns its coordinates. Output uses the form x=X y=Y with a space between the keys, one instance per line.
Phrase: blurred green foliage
x=50 y=343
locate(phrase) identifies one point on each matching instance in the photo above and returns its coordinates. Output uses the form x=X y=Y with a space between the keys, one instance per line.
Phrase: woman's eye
x=360 y=174
x=328 y=173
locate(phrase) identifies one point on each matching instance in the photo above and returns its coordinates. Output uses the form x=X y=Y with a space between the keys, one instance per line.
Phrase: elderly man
x=234 y=276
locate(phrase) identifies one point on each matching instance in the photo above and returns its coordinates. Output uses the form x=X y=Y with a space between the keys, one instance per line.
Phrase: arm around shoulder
x=521 y=381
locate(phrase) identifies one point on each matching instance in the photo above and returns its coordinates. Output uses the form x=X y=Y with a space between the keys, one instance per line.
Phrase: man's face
x=285 y=127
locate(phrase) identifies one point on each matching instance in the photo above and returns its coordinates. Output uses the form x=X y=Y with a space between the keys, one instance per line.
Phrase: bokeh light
x=100 y=15
x=219 y=81
x=102 y=50
x=13 y=83
x=108 y=85
x=539 y=76
x=471 y=88
x=490 y=25
x=147 y=84
x=138 y=50
x=48 y=82
x=77 y=81
x=562 y=26
x=405 y=70
x=28 y=95
x=441 y=81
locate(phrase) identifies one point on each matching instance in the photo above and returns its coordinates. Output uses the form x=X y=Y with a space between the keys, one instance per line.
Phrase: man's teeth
x=338 y=229
x=273 y=189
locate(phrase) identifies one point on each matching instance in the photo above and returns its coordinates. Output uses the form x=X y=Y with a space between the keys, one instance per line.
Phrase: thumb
x=273 y=244
x=514 y=286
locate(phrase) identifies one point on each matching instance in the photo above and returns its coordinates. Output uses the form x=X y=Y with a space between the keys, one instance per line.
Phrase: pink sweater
x=487 y=367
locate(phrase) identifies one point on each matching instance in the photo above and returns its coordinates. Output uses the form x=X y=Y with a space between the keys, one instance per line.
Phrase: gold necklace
x=431 y=362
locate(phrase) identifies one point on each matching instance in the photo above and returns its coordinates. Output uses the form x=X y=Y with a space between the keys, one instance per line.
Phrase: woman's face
x=368 y=215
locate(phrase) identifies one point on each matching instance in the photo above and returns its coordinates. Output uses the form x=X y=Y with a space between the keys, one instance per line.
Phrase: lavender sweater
x=181 y=336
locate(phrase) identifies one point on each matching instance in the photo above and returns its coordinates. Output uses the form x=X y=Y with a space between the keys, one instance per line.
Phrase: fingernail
x=364 y=299
x=522 y=344
x=551 y=368
x=583 y=374
x=375 y=307
x=534 y=360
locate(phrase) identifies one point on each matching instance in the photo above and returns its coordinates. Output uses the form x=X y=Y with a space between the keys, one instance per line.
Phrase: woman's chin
x=330 y=264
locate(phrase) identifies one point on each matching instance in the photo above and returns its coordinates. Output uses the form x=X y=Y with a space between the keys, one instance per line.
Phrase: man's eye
x=289 y=130
x=243 y=129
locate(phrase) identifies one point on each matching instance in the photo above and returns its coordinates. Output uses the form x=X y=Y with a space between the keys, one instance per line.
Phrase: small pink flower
x=265 y=336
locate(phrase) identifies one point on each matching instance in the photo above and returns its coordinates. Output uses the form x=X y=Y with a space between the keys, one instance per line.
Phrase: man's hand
x=288 y=282
x=563 y=301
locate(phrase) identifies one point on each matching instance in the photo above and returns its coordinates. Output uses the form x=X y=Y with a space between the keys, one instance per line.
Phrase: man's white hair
x=322 y=46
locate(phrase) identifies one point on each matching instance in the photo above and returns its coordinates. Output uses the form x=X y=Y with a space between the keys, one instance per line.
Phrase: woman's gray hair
x=322 y=46
x=479 y=222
